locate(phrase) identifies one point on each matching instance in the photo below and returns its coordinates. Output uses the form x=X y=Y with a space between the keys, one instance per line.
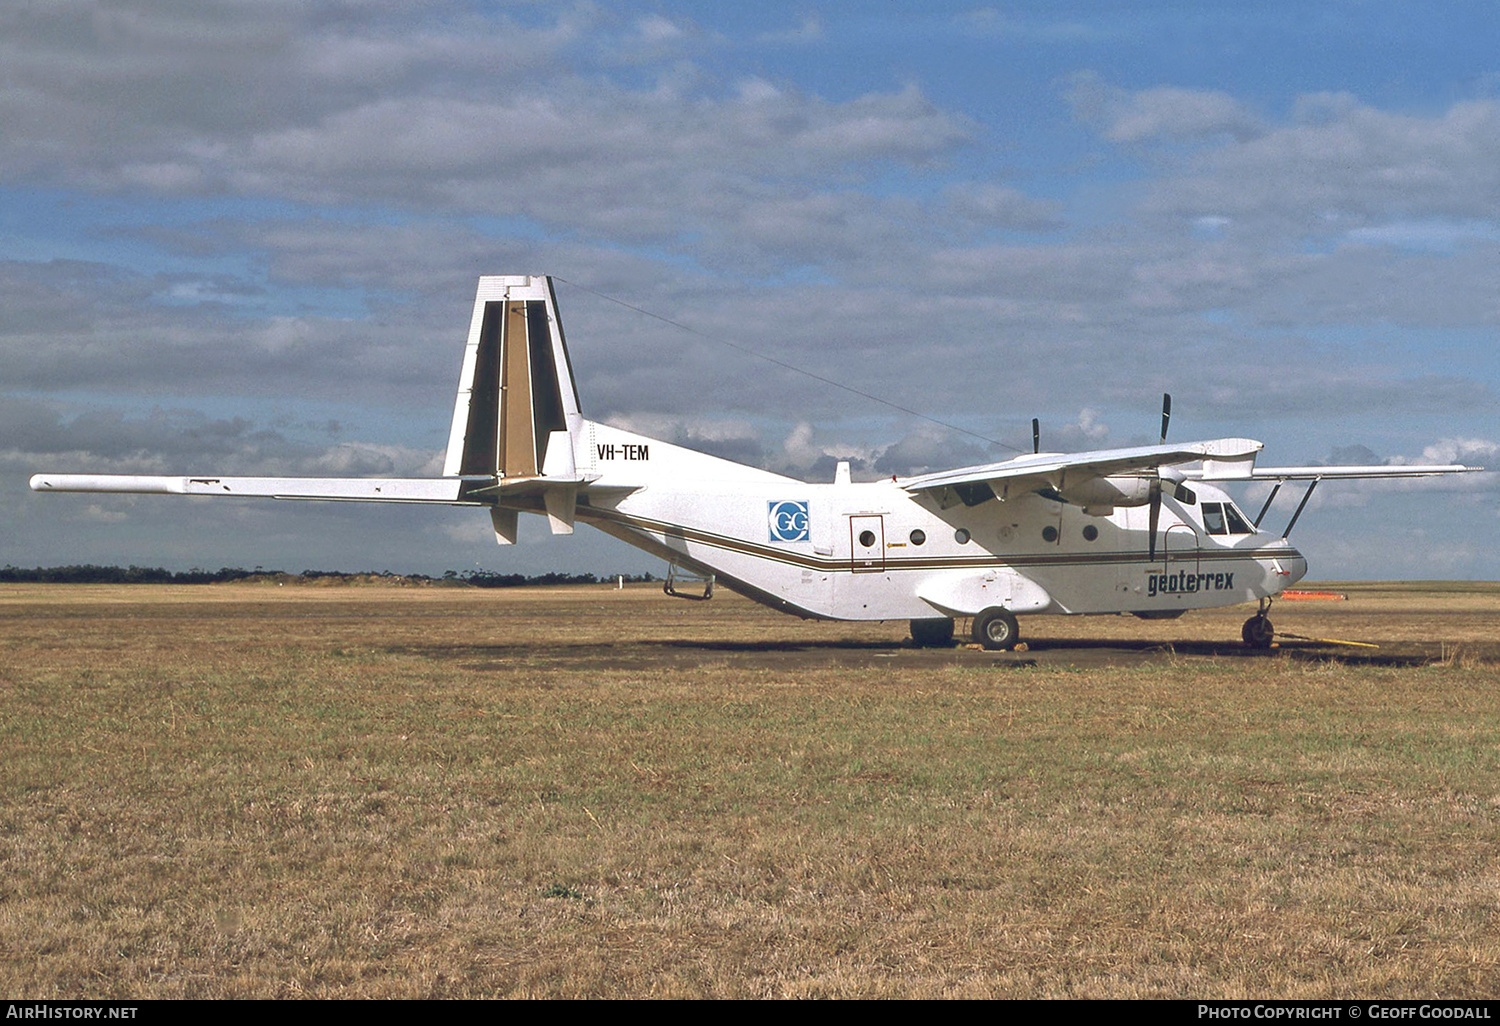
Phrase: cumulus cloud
x=76 y=325
x=1349 y=168
x=813 y=454
x=438 y=110
x=1164 y=113
x=1468 y=451
x=996 y=206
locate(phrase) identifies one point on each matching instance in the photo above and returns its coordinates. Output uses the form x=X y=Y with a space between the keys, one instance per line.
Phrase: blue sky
x=243 y=237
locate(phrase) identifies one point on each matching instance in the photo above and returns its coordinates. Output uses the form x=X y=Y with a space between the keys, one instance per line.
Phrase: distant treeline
x=90 y=574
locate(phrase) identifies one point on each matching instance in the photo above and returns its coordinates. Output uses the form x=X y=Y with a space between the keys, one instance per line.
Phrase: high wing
x=1229 y=457
x=1316 y=473
x=1101 y=480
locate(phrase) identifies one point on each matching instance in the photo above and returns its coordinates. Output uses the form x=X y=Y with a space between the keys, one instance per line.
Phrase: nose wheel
x=1258 y=632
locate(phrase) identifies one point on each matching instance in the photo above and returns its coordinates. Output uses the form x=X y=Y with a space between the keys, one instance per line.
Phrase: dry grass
x=231 y=791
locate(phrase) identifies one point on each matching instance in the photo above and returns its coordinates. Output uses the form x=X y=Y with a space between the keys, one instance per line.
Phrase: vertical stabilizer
x=517 y=409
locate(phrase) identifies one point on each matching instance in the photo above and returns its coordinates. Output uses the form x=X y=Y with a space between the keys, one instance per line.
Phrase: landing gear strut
x=1258 y=632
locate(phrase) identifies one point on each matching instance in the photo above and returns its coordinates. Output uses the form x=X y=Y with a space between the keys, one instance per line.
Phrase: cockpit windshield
x=1224 y=518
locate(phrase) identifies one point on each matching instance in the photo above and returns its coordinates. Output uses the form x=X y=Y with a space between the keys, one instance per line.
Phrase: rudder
x=517 y=407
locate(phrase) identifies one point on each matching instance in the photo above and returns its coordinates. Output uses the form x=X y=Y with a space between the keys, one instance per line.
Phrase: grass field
x=242 y=791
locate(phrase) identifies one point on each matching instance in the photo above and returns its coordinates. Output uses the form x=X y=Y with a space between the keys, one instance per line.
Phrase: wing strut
x=1266 y=508
x=1300 y=506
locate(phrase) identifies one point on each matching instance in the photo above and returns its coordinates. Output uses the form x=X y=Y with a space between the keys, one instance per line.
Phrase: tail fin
x=517 y=409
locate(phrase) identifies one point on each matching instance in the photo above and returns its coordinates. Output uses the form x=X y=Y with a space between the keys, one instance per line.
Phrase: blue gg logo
x=788 y=521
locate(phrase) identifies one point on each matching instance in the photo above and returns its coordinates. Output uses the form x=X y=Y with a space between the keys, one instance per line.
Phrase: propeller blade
x=1155 y=519
x=1036 y=435
x=1166 y=414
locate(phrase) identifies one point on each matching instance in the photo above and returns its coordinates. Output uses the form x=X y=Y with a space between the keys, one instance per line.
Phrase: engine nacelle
x=1105 y=493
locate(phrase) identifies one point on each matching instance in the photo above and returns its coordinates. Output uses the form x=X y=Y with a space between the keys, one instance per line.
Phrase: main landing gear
x=996 y=629
x=932 y=633
x=1258 y=632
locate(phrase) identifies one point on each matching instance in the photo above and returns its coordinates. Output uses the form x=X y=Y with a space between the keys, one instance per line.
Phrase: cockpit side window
x=1224 y=518
x=1237 y=524
x=1213 y=518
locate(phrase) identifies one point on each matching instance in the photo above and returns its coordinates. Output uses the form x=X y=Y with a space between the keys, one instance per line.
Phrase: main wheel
x=932 y=633
x=996 y=629
x=1258 y=632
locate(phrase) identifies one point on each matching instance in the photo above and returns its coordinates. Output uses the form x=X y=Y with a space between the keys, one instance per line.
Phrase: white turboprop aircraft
x=1111 y=531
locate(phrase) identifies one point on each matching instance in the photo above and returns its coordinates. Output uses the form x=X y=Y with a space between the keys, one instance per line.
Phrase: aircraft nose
x=1295 y=566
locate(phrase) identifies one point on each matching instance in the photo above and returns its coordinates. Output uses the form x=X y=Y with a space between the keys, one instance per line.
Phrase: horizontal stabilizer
x=448 y=491
x=518 y=487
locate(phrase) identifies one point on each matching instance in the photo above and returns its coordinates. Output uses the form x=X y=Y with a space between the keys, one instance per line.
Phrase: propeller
x=1036 y=435
x=1155 y=493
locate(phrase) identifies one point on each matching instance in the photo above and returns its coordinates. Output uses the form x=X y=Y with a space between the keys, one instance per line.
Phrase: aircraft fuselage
x=874 y=551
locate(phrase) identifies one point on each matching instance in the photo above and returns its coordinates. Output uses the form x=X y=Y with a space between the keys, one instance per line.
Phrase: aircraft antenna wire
x=737 y=347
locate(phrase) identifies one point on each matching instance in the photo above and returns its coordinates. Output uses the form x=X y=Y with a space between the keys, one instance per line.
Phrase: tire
x=996 y=629
x=1258 y=632
x=932 y=633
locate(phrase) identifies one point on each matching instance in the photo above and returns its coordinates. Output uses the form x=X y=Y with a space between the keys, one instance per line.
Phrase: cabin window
x=1090 y=532
x=867 y=538
x=961 y=536
x=918 y=537
x=1049 y=533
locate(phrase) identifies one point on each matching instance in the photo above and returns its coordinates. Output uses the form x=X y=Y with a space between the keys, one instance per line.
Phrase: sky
x=242 y=237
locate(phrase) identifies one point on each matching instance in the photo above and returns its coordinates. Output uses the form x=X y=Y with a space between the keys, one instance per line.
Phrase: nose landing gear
x=1257 y=631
